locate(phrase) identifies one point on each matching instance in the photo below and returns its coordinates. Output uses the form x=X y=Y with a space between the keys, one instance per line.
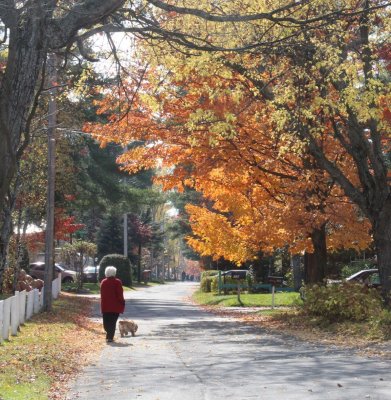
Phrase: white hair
x=110 y=271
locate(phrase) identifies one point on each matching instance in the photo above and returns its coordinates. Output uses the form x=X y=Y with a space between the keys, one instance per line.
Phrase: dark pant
x=109 y=322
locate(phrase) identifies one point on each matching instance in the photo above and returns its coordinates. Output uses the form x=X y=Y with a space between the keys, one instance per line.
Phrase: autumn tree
x=253 y=29
x=326 y=93
x=212 y=136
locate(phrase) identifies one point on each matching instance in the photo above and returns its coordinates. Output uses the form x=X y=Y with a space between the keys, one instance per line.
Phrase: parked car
x=37 y=271
x=369 y=277
x=91 y=273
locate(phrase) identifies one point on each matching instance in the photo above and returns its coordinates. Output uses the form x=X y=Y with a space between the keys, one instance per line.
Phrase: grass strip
x=248 y=300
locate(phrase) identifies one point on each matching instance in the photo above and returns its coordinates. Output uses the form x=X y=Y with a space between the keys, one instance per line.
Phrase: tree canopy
x=303 y=125
x=311 y=76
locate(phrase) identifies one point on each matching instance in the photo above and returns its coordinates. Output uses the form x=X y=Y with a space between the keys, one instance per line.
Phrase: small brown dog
x=127 y=326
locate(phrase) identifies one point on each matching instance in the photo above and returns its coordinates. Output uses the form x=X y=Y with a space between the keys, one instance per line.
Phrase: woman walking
x=112 y=301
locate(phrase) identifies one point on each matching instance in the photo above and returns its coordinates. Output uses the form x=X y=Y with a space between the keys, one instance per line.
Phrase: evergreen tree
x=110 y=236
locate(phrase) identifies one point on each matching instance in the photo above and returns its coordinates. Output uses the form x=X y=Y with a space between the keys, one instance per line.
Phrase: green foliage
x=123 y=265
x=352 y=268
x=208 y=280
x=347 y=301
x=210 y=272
x=288 y=278
x=250 y=278
x=380 y=324
x=214 y=284
x=206 y=284
x=110 y=237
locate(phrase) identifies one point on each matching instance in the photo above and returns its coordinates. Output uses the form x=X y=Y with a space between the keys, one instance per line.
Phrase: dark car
x=37 y=271
x=369 y=277
x=91 y=273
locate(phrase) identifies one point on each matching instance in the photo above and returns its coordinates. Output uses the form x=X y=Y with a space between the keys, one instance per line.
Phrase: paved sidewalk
x=183 y=353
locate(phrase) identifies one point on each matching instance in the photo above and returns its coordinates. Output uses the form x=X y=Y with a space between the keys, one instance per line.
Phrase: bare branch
x=350 y=190
x=85 y=14
x=269 y=16
x=83 y=51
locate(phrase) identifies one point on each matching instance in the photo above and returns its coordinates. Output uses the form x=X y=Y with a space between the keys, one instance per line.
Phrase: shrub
x=288 y=279
x=123 y=265
x=205 y=284
x=250 y=280
x=381 y=324
x=347 y=301
x=209 y=272
x=214 y=284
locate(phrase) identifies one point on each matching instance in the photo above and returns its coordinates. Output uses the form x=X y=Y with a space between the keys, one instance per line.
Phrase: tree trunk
x=18 y=90
x=17 y=94
x=5 y=235
x=296 y=270
x=382 y=239
x=315 y=263
x=32 y=30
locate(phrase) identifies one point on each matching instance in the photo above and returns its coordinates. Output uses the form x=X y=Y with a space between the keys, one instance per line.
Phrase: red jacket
x=112 y=296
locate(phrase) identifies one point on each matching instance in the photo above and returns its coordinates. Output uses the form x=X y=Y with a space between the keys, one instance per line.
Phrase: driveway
x=183 y=353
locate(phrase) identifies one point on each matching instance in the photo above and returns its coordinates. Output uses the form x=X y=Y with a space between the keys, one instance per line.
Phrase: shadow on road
x=119 y=344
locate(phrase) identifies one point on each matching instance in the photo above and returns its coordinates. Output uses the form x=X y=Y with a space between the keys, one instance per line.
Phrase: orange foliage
x=213 y=134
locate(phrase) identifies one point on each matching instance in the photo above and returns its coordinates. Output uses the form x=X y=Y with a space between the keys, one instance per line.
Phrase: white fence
x=16 y=310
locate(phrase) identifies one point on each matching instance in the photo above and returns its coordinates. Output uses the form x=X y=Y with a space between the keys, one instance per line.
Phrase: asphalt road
x=183 y=353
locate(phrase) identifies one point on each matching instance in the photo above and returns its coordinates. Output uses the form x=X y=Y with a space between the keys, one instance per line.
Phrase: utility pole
x=126 y=235
x=49 y=236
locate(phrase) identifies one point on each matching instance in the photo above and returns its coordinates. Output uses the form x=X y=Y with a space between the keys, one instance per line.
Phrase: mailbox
x=275 y=280
x=236 y=273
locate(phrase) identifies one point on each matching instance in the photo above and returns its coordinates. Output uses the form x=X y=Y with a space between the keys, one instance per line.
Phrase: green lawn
x=248 y=300
x=90 y=288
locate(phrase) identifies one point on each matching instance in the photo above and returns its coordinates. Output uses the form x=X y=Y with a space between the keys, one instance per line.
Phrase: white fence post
x=41 y=295
x=22 y=307
x=15 y=314
x=1 y=319
x=16 y=310
x=6 y=318
x=36 y=301
x=30 y=304
x=55 y=287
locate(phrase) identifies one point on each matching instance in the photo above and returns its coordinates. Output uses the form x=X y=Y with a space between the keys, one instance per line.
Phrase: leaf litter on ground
x=354 y=336
x=50 y=349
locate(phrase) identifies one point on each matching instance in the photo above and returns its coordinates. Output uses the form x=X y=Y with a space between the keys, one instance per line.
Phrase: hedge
x=123 y=265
